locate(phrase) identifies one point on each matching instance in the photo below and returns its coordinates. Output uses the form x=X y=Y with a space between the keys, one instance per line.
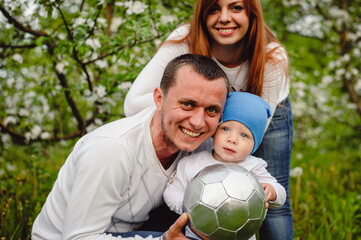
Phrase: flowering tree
x=323 y=39
x=66 y=65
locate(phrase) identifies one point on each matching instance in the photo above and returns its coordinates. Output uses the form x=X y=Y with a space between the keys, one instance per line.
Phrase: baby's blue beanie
x=249 y=109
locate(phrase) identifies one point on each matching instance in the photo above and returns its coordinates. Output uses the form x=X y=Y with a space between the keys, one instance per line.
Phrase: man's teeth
x=189 y=133
x=225 y=30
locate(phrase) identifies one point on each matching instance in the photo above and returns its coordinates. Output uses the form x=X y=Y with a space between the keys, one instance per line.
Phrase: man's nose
x=197 y=119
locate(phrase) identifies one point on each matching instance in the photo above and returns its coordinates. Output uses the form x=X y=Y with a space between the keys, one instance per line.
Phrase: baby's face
x=233 y=142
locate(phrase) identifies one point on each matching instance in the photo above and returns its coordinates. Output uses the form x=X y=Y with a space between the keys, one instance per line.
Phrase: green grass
x=326 y=198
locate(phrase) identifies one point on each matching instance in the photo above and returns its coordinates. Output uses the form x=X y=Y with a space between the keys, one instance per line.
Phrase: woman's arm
x=276 y=85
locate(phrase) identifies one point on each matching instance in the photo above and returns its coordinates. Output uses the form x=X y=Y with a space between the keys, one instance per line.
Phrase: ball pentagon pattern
x=224 y=202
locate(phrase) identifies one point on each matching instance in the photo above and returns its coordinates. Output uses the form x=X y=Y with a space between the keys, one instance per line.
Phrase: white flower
x=101 y=2
x=79 y=21
x=45 y=135
x=24 y=112
x=90 y=23
x=102 y=21
x=35 y=131
x=87 y=93
x=98 y=122
x=27 y=136
x=91 y=127
x=124 y=86
x=62 y=36
x=338 y=13
x=3 y=73
x=157 y=42
x=135 y=7
x=357 y=52
x=100 y=91
x=9 y=120
x=295 y=172
x=10 y=82
x=93 y=43
x=60 y=66
x=101 y=63
x=18 y=58
x=116 y=22
x=10 y=167
x=168 y=19
x=340 y=72
x=327 y=79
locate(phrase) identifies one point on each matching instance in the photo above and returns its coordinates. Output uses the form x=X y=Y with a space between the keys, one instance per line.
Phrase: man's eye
x=187 y=105
x=212 y=111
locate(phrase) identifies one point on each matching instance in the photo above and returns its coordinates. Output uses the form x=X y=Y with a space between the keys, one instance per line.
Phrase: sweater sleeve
x=101 y=180
x=140 y=95
x=276 y=86
x=263 y=176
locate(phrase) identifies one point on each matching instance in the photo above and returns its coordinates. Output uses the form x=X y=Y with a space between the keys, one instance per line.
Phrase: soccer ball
x=225 y=201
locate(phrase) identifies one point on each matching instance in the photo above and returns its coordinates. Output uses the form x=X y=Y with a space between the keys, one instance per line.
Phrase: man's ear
x=158 y=97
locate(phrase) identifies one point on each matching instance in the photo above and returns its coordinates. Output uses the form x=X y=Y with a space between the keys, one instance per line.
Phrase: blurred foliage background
x=65 y=68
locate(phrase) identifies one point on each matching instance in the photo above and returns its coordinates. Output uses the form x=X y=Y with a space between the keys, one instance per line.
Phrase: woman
x=234 y=34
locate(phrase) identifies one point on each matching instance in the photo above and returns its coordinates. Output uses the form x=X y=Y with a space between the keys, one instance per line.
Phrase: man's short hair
x=201 y=64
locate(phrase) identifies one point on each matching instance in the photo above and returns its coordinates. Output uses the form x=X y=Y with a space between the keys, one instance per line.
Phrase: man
x=116 y=174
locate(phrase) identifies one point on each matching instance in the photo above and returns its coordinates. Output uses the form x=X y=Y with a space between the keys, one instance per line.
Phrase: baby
x=239 y=134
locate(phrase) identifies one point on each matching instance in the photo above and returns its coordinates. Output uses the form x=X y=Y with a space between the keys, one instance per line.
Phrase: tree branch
x=70 y=100
x=20 y=26
x=121 y=48
x=95 y=22
x=22 y=139
x=3 y=45
x=75 y=52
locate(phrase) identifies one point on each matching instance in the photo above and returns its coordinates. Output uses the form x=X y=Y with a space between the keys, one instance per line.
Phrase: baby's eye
x=244 y=135
x=226 y=129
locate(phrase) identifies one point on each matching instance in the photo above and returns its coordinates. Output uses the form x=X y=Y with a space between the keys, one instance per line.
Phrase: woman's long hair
x=255 y=41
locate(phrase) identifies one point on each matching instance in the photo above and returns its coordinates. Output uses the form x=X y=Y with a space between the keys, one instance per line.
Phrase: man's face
x=191 y=110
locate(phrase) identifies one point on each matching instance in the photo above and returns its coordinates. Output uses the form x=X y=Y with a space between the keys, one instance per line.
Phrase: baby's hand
x=270 y=193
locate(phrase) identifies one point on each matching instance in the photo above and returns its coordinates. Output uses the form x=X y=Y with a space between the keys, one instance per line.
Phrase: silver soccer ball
x=225 y=201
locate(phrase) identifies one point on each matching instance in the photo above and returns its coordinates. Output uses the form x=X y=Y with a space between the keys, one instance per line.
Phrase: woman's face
x=227 y=22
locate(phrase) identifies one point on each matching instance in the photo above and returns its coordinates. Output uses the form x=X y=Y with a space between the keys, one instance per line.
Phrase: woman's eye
x=213 y=10
x=238 y=8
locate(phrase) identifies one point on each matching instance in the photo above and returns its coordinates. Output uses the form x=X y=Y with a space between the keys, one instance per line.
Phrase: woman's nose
x=224 y=16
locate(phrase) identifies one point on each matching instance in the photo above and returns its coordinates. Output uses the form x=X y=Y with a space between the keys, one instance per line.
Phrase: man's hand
x=175 y=231
x=269 y=192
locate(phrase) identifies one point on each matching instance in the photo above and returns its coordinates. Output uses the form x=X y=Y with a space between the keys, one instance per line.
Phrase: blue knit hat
x=249 y=109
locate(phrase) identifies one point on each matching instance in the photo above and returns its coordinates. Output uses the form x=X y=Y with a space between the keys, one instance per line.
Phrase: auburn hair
x=255 y=41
